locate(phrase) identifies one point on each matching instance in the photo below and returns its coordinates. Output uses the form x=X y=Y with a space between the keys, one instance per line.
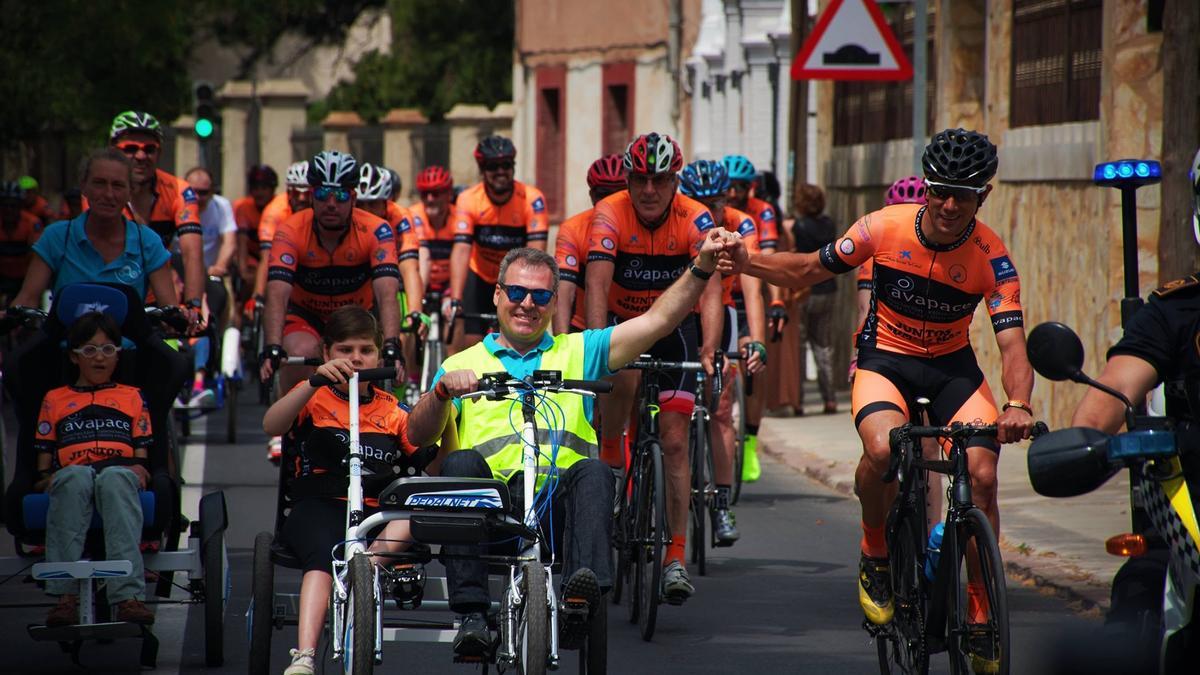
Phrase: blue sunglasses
x=322 y=193
x=541 y=296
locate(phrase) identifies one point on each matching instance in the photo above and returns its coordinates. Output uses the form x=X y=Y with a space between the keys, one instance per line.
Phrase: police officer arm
x=631 y=338
x=1017 y=377
x=430 y=415
x=1128 y=374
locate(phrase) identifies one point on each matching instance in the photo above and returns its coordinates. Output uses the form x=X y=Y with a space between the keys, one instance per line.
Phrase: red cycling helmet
x=910 y=190
x=607 y=173
x=653 y=153
x=434 y=179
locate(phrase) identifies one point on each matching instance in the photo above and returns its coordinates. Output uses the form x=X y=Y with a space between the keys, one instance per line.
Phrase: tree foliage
x=443 y=52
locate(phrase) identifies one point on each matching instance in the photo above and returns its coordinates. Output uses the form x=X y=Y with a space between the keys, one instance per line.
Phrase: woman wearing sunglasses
x=92 y=445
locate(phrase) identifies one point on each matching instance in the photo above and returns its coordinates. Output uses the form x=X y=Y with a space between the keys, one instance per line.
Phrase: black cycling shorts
x=314 y=527
x=676 y=389
x=478 y=298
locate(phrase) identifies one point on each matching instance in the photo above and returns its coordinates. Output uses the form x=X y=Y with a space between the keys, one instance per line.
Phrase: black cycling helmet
x=494 y=147
x=261 y=174
x=960 y=157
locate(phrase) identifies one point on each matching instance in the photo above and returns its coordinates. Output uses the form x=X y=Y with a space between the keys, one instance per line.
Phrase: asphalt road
x=782 y=601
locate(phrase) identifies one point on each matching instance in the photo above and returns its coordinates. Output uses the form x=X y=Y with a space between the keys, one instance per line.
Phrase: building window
x=551 y=137
x=1055 y=61
x=873 y=112
x=616 y=111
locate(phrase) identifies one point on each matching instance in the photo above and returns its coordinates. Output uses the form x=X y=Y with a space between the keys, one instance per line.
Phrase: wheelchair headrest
x=75 y=300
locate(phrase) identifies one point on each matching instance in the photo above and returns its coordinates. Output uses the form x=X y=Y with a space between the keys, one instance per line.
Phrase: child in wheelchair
x=92 y=442
x=317 y=418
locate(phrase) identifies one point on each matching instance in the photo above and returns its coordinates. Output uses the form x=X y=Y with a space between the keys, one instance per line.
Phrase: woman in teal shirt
x=100 y=245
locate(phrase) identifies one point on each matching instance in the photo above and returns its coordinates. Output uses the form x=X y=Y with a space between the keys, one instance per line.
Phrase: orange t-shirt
x=324 y=280
x=97 y=426
x=925 y=294
x=766 y=221
x=645 y=262
x=247 y=215
x=438 y=242
x=571 y=250
x=274 y=214
x=743 y=224
x=176 y=210
x=17 y=244
x=407 y=245
x=494 y=230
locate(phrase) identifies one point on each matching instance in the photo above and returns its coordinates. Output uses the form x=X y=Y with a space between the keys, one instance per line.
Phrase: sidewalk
x=1054 y=544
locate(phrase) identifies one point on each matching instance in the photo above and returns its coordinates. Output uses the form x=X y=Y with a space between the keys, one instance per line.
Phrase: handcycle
x=929 y=587
x=640 y=529
x=38 y=366
x=1152 y=622
x=441 y=511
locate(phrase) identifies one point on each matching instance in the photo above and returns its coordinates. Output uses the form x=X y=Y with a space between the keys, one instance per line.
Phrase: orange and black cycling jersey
x=16 y=245
x=383 y=437
x=175 y=212
x=438 y=242
x=571 y=250
x=497 y=229
x=743 y=224
x=324 y=280
x=274 y=214
x=98 y=426
x=407 y=244
x=924 y=294
x=645 y=262
x=765 y=220
x=247 y=216
x=865 y=272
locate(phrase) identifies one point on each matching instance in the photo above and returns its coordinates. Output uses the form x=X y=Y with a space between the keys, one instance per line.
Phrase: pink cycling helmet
x=909 y=190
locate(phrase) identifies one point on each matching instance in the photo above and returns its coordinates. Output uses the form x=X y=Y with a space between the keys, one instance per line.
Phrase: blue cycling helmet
x=703 y=178
x=739 y=167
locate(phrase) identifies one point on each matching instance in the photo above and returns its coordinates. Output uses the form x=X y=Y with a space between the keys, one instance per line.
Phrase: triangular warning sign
x=851 y=41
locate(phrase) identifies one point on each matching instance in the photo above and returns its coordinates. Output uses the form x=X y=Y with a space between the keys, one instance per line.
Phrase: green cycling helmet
x=132 y=120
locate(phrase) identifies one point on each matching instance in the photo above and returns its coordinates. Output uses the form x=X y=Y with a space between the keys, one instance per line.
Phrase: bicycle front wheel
x=650 y=535
x=358 y=640
x=699 y=514
x=901 y=645
x=977 y=627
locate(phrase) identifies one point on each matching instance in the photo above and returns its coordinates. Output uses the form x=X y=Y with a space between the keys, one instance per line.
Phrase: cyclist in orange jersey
x=431 y=215
x=162 y=201
x=261 y=181
x=605 y=176
x=707 y=182
x=296 y=197
x=19 y=230
x=490 y=219
x=375 y=187
x=331 y=255
x=933 y=265
x=641 y=240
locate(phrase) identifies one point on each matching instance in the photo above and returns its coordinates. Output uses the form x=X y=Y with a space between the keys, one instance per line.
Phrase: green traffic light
x=204 y=128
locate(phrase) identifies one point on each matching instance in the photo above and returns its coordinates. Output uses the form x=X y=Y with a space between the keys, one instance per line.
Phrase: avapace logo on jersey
x=648 y=272
x=901 y=294
x=339 y=280
x=500 y=237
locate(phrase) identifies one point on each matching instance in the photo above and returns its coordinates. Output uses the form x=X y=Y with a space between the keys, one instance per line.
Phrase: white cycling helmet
x=297 y=175
x=332 y=168
x=374 y=183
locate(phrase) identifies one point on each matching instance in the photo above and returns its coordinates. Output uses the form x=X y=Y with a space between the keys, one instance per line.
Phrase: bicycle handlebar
x=368 y=375
x=647 y=363
x=171 y=317
x=301 y=361
x=958 y=430
x=501 y=390
x=21 y=316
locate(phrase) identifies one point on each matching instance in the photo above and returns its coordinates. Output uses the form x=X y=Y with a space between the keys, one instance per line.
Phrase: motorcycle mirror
x=1055 y=352
x=1069 y=462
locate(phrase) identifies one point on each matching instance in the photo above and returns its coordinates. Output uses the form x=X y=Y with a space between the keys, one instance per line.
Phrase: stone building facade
x=1059 y=86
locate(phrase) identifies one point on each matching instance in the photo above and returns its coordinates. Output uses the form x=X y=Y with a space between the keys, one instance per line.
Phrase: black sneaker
x=875 y=589
x=981 y=643
x=580 y=595
x=474 y=638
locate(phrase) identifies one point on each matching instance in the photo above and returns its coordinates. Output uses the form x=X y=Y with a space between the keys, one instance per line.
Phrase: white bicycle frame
x=434 y=339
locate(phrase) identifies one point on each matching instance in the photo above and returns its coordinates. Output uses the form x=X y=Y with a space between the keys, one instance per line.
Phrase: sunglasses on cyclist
x=131 y=148
x=541 y=296
x=90 y=351
x=322 y=193
x=499 y=166
x=960 y=193
x=638 y=181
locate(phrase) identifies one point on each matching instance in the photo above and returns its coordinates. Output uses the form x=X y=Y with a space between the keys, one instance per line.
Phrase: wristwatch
x=700 y=274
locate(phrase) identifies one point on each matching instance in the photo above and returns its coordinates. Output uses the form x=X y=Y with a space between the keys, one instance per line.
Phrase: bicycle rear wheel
x=650 y=535
x=901 y=645
x=698 y=505
x=988 y=631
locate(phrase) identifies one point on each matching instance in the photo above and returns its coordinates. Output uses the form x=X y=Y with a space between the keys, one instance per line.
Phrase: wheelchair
x=147 y=362
x=441 y=511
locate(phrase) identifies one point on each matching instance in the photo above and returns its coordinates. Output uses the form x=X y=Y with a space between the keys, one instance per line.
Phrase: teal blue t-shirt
x=65 y=248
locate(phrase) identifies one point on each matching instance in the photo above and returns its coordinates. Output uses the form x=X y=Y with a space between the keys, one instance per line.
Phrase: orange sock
x=612 y=451
x=676 y=550
x=977 y=603
x=874 y=544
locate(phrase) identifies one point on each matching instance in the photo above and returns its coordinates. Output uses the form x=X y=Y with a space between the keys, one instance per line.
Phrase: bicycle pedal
x=575 y=608
x=408 y=586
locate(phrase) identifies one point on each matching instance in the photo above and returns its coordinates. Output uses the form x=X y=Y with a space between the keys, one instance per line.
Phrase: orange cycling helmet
x=434 y=179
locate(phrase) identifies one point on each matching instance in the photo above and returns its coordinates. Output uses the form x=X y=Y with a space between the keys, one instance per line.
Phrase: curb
x=1084 y=594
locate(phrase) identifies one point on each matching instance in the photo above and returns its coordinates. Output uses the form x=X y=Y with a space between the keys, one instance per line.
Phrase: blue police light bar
x=1124 y=173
